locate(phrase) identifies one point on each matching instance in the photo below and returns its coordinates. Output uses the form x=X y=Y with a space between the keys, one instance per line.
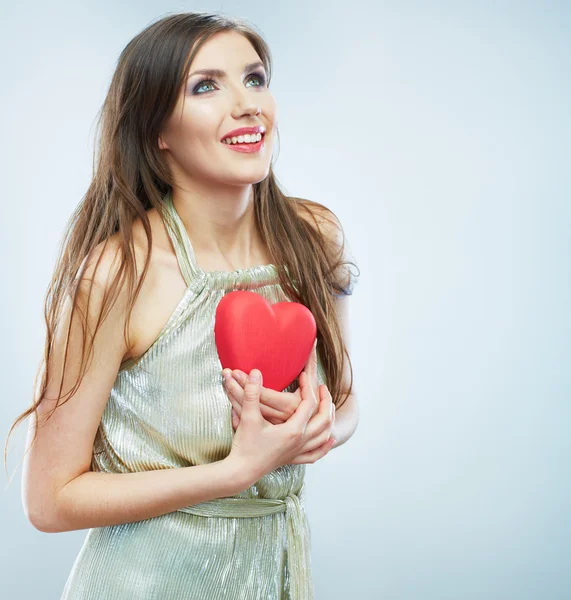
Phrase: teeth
x=241 y=139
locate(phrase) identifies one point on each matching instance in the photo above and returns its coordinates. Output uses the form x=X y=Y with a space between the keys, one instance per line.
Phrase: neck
x=220 y=222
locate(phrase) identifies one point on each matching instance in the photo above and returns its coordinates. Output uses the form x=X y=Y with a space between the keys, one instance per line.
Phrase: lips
x=246 y=147
x=244 y=131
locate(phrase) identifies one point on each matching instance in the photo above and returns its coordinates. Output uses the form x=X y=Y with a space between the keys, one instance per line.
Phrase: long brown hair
x=305 y=239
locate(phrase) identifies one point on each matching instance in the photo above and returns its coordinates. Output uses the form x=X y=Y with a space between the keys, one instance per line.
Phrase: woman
x=134 y=437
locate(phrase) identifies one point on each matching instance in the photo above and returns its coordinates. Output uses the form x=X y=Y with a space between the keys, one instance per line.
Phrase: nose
x=249 y=108
x=245 y=104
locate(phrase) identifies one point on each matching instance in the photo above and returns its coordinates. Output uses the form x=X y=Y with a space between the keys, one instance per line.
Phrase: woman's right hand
x=260 y=447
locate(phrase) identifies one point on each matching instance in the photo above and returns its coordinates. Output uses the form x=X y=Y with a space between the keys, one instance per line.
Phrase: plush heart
x=250 y=333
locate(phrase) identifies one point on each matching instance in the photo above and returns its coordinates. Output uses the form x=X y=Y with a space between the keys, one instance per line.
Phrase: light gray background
x=439 y=133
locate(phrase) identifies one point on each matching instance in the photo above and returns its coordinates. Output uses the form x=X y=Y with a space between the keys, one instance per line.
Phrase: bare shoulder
x=104 y=263
x=103 y=266
x=162 y=286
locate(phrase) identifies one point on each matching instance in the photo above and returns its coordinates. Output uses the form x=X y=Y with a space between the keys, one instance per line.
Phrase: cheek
x=193 y=138
x=203 y=117
x=270 y=109
x=195 y=122
x=199 y=128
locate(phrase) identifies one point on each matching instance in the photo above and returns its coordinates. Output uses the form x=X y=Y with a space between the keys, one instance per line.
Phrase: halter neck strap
x=181 y=242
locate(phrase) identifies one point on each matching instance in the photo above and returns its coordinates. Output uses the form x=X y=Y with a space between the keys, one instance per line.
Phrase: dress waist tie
x=298 y=536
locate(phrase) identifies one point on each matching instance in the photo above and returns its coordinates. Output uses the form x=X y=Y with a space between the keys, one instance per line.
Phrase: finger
x=266 y=411
x=322 y=421
x=239 y=376
x=327 y=407
x=235 y=420
x=251 y=401
x=311 y=366
x=236 y=407
x=234 y=388
x=230 y=397
x=235 y=396
x=279 y=404
x=298 y=421
x=272 y=413
x=311 y=356
x=315 y=455
x=316 y=441
x=271 y=420
x=324 y=391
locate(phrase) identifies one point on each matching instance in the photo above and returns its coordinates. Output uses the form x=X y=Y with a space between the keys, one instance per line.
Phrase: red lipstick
x=245 y=130
x=247 y=147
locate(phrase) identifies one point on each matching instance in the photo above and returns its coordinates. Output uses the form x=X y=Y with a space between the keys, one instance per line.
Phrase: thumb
x=252 y=391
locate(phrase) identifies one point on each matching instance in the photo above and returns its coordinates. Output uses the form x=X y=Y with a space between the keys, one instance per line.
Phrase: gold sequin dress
x=170 y=410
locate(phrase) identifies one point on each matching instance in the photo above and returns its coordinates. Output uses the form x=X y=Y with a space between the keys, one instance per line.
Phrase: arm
x=99 y=499
x=347 y=415
x=346 y=421
x=59 y=492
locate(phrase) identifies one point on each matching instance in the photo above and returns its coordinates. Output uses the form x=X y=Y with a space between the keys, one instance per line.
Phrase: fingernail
x=254 y=376
x=227 y=375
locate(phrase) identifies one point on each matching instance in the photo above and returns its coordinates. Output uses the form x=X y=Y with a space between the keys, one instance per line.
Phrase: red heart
x=250 y=333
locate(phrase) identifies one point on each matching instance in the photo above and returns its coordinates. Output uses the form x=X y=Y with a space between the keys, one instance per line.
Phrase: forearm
x=346 y=421
x=97 y=499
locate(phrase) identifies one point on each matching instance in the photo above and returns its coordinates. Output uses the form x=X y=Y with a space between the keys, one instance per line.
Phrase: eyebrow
x=221 y=74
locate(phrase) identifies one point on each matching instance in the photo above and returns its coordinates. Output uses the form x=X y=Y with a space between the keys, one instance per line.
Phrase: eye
x=260 y=76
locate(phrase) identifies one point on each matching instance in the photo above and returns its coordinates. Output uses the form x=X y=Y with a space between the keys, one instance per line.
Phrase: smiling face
x=211 y=106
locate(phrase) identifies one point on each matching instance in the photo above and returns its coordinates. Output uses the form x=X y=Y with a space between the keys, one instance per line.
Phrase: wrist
x=239 y=475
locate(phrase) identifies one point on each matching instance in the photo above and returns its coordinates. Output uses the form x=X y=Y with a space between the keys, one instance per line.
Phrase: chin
x=252 y=175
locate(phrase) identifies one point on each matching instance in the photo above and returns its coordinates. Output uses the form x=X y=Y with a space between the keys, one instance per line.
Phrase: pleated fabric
x=169 y=409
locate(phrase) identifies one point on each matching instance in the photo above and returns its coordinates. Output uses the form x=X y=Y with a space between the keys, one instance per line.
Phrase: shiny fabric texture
x=169 y=409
